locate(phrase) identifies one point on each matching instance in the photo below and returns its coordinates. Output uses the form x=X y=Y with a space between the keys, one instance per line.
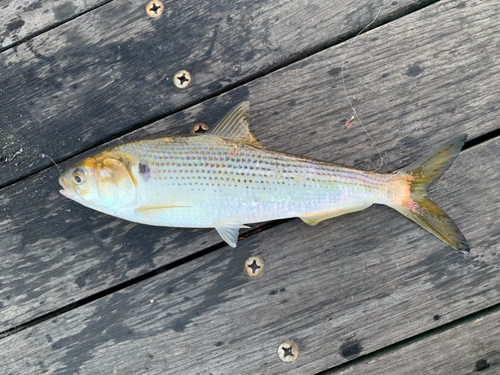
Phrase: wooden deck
x=365 y=293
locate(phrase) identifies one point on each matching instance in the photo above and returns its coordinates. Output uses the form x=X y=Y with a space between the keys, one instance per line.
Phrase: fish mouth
x=63 y=184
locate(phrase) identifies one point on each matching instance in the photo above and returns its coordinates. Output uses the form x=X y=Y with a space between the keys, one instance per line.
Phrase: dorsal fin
x=234 y=125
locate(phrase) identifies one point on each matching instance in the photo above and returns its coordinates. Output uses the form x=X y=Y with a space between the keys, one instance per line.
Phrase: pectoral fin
x=315 y=218
x=155 y=210
x=229 y=231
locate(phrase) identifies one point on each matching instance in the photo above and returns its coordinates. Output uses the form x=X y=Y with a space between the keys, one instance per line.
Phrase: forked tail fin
x=423 y=211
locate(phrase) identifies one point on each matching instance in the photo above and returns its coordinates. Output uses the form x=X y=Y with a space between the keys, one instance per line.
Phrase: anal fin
x=316 y=217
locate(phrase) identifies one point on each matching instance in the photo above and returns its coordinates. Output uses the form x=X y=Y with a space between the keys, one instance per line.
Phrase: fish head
x=102 y=181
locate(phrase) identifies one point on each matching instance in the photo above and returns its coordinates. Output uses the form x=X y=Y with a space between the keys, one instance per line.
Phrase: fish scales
x=224 y=179
x=254 y=184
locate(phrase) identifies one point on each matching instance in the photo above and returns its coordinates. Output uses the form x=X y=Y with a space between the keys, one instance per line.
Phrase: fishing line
x=44 y=155
x=356 y=116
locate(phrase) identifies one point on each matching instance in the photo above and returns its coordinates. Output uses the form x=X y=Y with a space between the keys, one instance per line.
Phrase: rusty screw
x=254 y=266
x=201 y=126
x=154 y=8
x=288 y=351
x=182 y=79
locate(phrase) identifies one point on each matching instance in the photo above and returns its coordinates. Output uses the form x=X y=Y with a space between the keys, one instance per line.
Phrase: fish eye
x=79 y=176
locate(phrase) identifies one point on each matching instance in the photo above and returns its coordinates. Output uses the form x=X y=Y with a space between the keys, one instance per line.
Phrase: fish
x=225 y=179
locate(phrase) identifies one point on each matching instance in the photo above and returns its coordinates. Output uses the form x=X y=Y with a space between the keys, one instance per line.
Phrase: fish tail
x=417 y=207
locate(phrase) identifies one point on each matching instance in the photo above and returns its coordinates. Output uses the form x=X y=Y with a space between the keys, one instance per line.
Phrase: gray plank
x=291 y=111
x=111 y=70
x=22 y=20
x=334 y=294
x=466 y=349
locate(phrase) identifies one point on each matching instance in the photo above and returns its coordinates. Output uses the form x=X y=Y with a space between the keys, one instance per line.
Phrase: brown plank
x=291 y=111
x=22 y=20
x=335 y=294
x=472 y=347
x=111 y=70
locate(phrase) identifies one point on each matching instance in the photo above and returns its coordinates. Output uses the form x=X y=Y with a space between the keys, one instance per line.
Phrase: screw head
x=288 y=351
x=199 y=127
x=154 y=8
x=182 y=79
x=254 y=266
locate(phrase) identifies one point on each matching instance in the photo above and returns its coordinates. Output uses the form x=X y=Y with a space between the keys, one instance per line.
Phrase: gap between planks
x=44 y=29
x=363 y=359
x=135 y=280
x=280 y=64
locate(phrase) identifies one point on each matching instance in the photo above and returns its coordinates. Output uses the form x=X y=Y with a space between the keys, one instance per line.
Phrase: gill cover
x=115 y=184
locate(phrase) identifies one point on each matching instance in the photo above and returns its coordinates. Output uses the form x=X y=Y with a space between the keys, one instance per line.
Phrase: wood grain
x=22 y=19
x=54 y=252
x=111 y=70
x=472 y=347
x=335 y=294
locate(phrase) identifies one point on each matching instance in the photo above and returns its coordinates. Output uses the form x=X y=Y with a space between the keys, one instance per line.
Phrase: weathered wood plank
x=111 y=70
x=469 y=348
x=21 y=20
x=54 y=252
x=334 y=294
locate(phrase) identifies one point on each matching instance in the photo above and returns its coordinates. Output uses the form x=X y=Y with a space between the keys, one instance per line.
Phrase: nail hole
x=182 y=79
x=351 y=349
x=482 y=364
x=437 y=317
x=154 y=8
